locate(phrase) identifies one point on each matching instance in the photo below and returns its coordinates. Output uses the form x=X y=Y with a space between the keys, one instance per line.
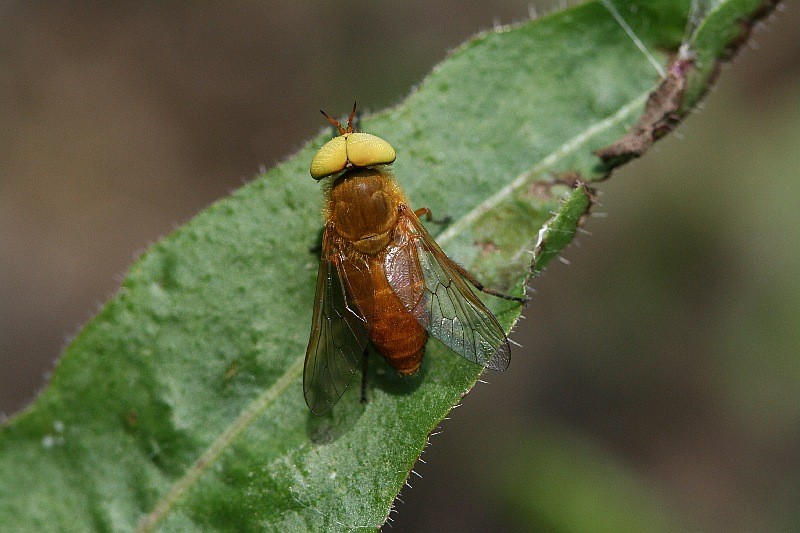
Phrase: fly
x=383 y=279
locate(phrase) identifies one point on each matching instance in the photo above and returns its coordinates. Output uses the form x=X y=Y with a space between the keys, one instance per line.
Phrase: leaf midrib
x=207 y=458
x=546 y=162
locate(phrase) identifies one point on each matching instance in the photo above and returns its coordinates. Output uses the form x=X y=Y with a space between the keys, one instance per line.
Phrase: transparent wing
x=338 y=334
x=452 y=311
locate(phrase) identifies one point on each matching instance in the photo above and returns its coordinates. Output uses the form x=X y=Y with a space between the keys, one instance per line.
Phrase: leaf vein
x=547 y=162
x=264 y=400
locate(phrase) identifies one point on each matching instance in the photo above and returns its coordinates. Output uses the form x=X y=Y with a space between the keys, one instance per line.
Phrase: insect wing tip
x=320 y=411
x=501 y=357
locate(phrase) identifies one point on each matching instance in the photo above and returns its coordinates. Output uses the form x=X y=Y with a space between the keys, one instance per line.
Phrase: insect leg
x=478 y=285
x=364 y=369
x=429 y=216
x=317 y=248
x=469 y=277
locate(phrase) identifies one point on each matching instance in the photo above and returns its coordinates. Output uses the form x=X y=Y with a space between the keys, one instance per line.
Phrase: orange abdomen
x=393 y=330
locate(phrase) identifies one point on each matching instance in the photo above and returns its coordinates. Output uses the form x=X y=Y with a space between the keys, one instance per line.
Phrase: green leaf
x=179 y=407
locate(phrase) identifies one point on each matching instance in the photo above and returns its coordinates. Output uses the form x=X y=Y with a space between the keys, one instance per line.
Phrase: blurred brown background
x=664 y=358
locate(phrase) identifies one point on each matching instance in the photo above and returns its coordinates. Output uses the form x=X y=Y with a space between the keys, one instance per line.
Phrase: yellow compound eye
x=364 y=149
x=330 y=159
x=351 y=149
